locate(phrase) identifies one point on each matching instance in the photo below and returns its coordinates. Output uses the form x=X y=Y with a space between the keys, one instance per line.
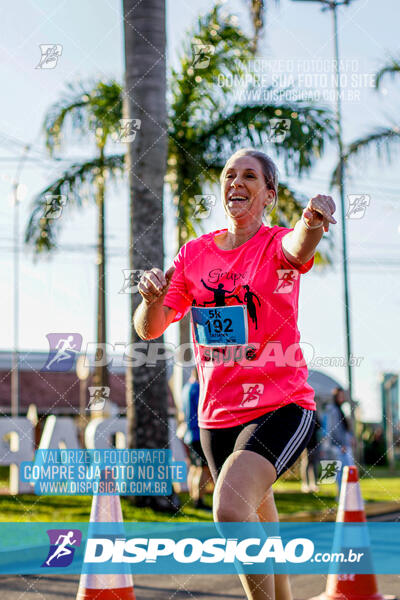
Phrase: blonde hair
x=268 y=166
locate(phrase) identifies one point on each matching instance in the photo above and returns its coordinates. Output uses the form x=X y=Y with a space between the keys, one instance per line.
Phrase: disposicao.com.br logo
x=191 y=550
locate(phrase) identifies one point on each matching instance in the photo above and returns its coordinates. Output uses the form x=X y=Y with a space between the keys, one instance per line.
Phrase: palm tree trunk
x=182 y=374
x=100 y=377
x=146 y=389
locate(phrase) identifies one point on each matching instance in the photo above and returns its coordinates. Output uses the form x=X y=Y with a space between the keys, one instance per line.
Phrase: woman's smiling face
x=245 y=192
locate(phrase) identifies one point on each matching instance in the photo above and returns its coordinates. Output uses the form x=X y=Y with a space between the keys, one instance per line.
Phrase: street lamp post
x=15 y=355
x=333 y=5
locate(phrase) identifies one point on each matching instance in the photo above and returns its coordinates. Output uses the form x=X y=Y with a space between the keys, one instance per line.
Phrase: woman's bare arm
x=152 y=318
x=300 y=244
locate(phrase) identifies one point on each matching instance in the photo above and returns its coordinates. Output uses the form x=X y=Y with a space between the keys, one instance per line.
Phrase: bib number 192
x=216 y=324
x=222 y=326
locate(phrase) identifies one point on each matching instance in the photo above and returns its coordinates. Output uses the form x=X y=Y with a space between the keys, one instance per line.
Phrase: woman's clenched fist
x=153 y=284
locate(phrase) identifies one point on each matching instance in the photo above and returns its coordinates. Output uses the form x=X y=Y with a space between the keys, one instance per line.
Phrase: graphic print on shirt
x=251 y=306
x=252 y=393
x=221 y=295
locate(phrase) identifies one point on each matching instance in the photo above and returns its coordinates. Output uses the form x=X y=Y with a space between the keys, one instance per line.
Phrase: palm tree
x=206 y=122
x=381 y=140
x=90 y=112
x=145 y=89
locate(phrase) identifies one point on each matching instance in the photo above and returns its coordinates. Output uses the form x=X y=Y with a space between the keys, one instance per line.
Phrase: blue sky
x=58 y=294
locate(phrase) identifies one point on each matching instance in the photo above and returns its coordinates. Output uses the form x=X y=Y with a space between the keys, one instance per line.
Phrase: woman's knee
x=231 y=508
x=240 y=487
x=223 y=513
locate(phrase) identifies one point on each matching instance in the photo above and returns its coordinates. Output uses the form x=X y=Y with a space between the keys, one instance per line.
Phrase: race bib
x=220 y=326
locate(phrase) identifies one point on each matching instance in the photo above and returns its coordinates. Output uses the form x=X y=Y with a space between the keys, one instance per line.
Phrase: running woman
x=256 y=409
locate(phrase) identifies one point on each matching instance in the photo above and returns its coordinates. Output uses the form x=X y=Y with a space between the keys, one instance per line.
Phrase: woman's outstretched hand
x=319 y=212
x=153 y=284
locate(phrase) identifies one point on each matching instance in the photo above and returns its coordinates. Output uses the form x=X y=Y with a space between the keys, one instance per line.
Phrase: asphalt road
x=174 y=587
x=168 y=587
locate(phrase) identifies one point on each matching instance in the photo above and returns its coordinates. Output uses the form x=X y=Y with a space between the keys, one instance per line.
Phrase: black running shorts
x=196 y=454
x=280 y=436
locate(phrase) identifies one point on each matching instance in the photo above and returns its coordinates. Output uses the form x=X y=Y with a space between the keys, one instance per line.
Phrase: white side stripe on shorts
x=291 y=441
x=295 y=441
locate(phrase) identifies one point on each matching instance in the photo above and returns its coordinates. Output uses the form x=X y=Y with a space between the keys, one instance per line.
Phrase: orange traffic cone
x=352 y=586
x=93 y=586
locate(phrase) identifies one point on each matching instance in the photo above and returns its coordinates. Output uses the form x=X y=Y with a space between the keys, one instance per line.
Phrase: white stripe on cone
x=350 y=497
x=106 y=509
x=95 y=581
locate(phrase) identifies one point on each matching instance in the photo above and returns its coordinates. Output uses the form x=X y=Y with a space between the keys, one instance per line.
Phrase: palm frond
x=382 y=141
x=77 y=182
x=93 y=108
x=195 y=90
x=309 y=128
x=392 y=69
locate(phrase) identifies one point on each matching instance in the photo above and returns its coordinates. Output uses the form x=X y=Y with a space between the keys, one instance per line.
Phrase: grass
x=27 y=507
x=377 y=485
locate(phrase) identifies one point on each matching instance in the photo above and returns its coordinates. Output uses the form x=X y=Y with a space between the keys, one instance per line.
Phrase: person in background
x=339 y=432
x=310 y=460
x=375 y=448
x=199 y=474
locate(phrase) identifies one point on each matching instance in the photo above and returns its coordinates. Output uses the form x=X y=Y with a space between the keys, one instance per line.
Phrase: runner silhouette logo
x=63 y=350
x=287 y=279
x=62 y=547
x=252 y=393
